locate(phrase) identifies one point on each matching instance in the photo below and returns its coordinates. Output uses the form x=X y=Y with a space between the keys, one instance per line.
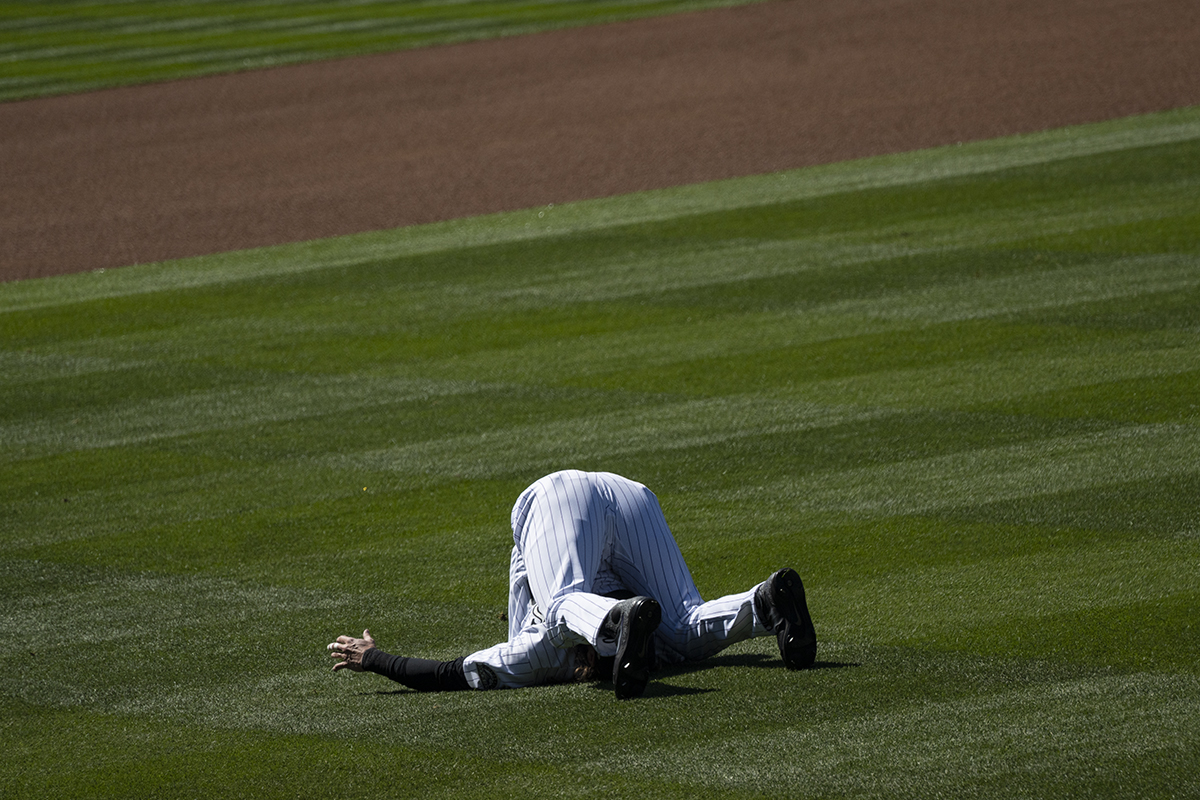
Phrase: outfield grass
x=79 y=45
x=957 y=389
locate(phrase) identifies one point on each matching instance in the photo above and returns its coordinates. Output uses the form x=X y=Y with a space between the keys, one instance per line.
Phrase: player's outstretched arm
x=423 y=675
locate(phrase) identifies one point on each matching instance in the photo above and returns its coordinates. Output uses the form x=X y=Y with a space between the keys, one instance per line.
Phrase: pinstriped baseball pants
x=577 y=536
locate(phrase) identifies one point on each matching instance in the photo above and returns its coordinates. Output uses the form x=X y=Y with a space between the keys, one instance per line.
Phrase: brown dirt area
x=153 y=172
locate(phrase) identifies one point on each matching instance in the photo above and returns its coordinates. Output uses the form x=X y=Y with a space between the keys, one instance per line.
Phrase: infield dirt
x=162 y=171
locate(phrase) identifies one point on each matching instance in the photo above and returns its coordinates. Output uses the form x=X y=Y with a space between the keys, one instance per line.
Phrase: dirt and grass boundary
x=148 y=173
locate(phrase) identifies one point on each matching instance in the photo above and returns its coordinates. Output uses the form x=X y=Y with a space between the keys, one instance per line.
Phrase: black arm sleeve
x=421 y=674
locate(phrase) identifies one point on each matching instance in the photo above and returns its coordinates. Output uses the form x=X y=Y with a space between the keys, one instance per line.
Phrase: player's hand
x=350 y=651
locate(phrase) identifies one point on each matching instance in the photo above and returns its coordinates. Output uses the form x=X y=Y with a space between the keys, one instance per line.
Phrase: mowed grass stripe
x=194 y=412
x=962 y=475
x=1020 y=377
x=539 y=446
x=197 y=483
x=91 y=608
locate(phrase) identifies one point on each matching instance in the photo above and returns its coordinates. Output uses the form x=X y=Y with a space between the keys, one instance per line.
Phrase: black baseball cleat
x=780 y=606
x=632 y=624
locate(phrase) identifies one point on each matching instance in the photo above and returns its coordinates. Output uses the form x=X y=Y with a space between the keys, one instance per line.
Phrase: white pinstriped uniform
x=578 y=535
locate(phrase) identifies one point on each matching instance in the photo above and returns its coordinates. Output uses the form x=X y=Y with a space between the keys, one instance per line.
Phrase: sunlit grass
x=956 y=389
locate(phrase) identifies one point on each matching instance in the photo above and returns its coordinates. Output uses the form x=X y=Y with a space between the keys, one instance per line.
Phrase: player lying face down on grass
x=597 y=583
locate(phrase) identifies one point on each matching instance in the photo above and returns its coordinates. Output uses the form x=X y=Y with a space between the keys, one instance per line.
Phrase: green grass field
x=958 y=390
x=78 y=45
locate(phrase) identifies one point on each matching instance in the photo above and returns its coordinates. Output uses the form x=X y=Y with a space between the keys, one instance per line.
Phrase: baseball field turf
x=957 y=389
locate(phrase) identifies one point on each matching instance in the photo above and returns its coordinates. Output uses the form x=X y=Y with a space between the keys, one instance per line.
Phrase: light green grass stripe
x=144 y=502
x=939 y=603
x=1016 y=743
x=1048 y=466
x=218 y=409
x=661 y=429
x=976 y=383
x=1105 y=720
x=1030 y=291
x=19 y=367
x=95 y=608
x=888 y=171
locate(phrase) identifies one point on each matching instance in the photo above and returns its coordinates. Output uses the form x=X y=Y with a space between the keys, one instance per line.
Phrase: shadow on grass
x=758 y=660
x=656 y=687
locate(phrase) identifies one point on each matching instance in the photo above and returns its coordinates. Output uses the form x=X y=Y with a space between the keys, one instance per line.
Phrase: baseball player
x=595 y=575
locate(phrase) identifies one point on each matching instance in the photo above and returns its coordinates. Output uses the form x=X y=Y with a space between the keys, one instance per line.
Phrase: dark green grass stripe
x=193 y=483
x=1156 y=623
x=737 y=276
x=1144 y=507
x=1152 y=398
x=162 y=758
